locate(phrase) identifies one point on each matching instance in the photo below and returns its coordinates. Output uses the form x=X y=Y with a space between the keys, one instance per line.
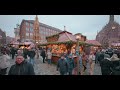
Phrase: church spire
x=111 y=18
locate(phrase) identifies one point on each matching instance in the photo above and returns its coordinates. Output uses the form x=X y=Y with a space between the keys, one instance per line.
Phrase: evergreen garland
x=67 y=42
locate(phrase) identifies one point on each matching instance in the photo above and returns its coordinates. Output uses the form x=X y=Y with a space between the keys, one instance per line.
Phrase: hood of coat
x=115 y=58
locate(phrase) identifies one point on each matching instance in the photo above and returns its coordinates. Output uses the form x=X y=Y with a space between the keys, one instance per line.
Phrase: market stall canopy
x=14 y=43
x=94 y=42
x=64 y=37
x=30 y=43
x=115 y=44
x=27 y=43
x=43 y=42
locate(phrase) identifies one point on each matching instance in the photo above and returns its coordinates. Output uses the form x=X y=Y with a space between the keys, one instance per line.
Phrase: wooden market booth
x=115 y=45
x=95 y=45
x=22 y=45
x=63 y=42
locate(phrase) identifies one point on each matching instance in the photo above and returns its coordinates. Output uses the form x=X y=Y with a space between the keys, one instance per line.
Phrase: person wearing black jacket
x=43 y=54
x=13 y=51
x=115 y=65
x=105 y=65
x=101 y=57
x=25 y=52
x=31 y=54
x=21 y=67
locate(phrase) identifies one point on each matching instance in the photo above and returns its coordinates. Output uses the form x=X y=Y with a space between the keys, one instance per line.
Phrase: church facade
x=110 y=33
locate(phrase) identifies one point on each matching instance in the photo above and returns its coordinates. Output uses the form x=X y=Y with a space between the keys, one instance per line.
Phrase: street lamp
x=77 y=53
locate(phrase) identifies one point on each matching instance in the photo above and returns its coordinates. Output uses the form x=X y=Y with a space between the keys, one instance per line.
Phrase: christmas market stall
x=26 y=45
x=14 y=44
x=63 y=42
x=115 y=45
x=22 y=45
x=95 y=45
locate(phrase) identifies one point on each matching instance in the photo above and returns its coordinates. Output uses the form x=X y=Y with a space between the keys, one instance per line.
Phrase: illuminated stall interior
x=63 y=42
x=95 y=45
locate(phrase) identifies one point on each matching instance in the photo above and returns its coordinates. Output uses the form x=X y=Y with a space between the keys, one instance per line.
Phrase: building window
x=27 y=29
x=31 y=34
x=27 y=34
x=27 y=24
x=40 y=32
x=31 y=29
x=31 y=25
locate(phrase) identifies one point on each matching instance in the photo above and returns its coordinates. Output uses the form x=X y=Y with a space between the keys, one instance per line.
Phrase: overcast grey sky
x=86 y=24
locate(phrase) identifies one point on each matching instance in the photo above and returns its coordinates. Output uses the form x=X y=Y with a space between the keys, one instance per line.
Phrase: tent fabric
x=66 y=37
x=94 y=42
x=116 y=44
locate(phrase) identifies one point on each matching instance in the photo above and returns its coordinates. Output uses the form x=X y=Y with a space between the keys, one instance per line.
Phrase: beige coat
x=114 y=58
x=4 y=61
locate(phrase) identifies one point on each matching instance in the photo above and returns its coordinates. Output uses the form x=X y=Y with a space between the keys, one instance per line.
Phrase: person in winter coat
x=13 y=51
x=105 y=65
x=91 y=59
x=62 y=65
x=49 y=57
x=43 y=54
x=70 y=64
x=115 y=65
x=110 y=52
x=101 y=56
x=97 y=56
x=4 y=63
x=84 y=61
x=21 y=67
x=25 y=53
x=19 y=52
x=31 y=54
x=37 y=53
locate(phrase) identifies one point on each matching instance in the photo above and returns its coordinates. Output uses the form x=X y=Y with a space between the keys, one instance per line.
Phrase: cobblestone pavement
x=97 y=70
x=43 y=69
x=40 y=68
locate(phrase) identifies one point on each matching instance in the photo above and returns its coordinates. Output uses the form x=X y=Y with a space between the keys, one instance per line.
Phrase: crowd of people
x=107 y=59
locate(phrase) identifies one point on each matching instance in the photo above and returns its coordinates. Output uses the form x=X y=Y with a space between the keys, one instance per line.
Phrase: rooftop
x=94 y=42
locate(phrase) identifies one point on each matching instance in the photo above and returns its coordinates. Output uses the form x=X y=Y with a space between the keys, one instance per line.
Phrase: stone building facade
x=110 y=33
